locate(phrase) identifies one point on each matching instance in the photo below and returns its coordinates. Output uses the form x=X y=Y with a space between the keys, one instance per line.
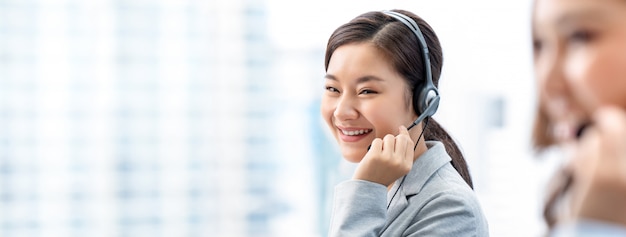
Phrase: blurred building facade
x=146 y=118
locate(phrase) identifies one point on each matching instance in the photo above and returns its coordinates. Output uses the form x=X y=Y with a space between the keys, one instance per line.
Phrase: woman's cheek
x=377 y=120
x=605 y=81
x=614 y=72
x=586 y=75
x=327 y=110
x=386 y=122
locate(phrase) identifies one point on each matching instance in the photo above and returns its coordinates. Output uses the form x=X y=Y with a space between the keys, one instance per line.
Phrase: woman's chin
x=353 y=156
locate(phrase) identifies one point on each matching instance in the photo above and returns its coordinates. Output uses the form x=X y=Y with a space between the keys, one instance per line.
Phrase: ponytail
x=438 y=133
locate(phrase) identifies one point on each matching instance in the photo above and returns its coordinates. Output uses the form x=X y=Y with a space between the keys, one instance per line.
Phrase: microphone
x=429 y=111
x=581 y=130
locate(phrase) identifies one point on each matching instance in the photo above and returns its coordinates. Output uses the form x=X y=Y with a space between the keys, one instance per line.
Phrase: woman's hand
x=599 y=190
x=388 y=159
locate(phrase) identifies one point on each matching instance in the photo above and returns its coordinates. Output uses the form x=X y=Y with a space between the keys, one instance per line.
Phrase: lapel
x=423 y=168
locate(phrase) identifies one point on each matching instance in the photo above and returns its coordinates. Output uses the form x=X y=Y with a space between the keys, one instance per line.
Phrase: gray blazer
x=433 y=200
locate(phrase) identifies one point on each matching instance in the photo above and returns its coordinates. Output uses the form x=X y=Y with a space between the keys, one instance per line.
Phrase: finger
x=585 y=159
x=403 y=131
x=388 y=145
x=611 y=137
x=611 y=121
x=403 y=141
x=611 y=129
x=401 y=144
x=410 y=147
x=377 y=145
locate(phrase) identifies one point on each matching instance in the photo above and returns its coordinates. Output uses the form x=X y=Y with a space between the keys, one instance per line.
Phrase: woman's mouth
x=353 y=135
x=355 y=132
x=569 y=130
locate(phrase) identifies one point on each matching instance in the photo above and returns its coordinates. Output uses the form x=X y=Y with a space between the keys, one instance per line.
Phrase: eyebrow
x=362 y=79
x=567 y=19
x=581 y=14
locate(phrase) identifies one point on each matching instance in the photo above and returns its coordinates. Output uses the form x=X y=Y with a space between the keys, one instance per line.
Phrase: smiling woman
x=379 y=79
x=355 y=88
x=580 y=60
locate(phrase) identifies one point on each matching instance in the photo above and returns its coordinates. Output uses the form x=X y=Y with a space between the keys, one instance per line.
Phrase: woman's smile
x=353 y=134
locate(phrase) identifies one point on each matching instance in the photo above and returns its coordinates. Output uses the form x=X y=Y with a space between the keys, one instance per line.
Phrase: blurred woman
x=580 y=66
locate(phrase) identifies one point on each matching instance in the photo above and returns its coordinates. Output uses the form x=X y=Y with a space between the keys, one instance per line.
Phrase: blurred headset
x=426 y=100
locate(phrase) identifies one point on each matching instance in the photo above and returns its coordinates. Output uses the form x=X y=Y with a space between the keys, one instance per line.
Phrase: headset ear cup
x=427 y=101
x=432 y=106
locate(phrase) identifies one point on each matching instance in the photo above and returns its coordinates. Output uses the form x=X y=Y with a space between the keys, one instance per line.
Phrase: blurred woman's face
x=580 y=59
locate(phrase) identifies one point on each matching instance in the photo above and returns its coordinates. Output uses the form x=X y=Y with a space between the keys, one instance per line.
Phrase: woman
x=580 y=66
x=379 y=79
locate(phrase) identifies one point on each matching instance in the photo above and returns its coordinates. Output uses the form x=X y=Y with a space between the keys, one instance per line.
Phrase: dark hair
x=563 y=180
x=402 y=48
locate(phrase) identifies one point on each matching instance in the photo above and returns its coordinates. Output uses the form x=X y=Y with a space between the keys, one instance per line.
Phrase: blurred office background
x=201 y=117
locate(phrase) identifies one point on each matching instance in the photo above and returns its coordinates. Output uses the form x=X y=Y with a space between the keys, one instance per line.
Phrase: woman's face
x=365 y=98
x=580 y=59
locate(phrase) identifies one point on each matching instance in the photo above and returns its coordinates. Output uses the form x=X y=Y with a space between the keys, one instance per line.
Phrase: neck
x=420 y=149
x=421 y=142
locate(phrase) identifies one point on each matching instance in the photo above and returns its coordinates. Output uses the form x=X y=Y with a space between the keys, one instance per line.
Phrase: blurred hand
x=599 y=190
x=388 y=159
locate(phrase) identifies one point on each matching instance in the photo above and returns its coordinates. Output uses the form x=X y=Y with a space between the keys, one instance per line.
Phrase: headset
x=426 y=100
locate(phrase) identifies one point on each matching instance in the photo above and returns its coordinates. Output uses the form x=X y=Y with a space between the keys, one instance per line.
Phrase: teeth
x=356 y=132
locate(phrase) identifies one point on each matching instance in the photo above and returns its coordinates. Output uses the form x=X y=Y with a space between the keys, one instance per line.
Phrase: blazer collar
x=424 y=167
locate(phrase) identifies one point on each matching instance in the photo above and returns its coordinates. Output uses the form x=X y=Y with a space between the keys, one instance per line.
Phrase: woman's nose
x=345 y=109
x=551 y=76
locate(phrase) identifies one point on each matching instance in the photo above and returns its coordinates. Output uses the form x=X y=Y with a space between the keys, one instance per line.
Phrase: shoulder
x=447 y=201
x=588 y=227
x=448 y=189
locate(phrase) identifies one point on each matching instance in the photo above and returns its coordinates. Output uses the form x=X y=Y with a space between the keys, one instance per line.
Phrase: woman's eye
x=537 y=45
x=366 y=91
x=332 y=89
x=581 y=36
